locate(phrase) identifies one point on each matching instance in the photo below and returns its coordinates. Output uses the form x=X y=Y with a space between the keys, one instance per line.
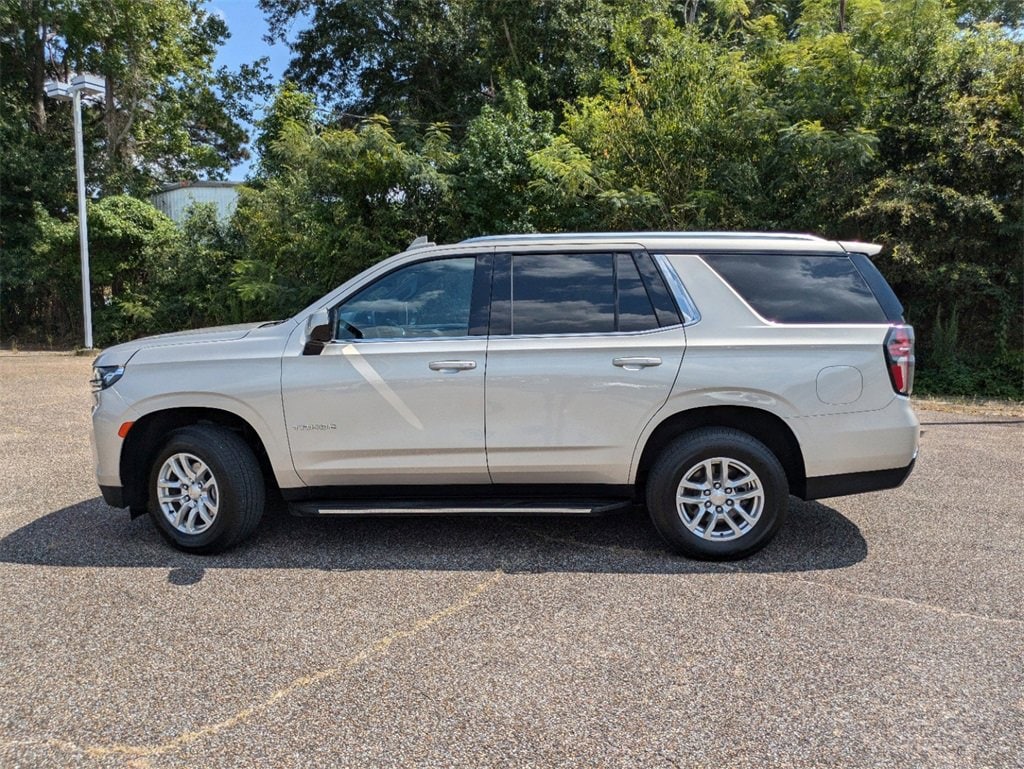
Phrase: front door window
x=426 y=299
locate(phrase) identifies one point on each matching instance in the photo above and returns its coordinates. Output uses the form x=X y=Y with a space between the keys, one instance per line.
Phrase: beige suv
x=705 y=375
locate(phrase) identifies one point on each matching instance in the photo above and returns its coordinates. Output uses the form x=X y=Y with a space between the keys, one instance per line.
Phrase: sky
x=247 y=26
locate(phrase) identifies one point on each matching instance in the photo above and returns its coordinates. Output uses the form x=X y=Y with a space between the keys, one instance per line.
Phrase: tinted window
x=635 y=310
x=421 y=300
x=563 y=294
x=668 y=315
x=880 y=287
x=788 y=288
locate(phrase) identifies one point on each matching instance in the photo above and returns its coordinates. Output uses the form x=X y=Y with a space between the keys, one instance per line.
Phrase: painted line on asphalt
x=376 y=649
x=734 y=569
x=979 y=422
x=931 y=607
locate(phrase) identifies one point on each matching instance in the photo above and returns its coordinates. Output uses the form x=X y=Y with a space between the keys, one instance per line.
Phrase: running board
x=315 y=507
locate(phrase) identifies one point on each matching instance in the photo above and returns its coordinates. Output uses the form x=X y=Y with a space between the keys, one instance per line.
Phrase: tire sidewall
x=227 y=504
x=681 y=457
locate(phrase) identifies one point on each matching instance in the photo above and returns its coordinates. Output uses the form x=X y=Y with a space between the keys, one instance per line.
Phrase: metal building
x=175 y=199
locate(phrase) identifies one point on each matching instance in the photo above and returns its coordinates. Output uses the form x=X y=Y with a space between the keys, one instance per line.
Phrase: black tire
x=712 y=537
x=240 y=493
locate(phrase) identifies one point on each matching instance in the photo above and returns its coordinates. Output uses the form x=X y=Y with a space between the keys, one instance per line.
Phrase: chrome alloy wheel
x=187 y=493
x=720 y=499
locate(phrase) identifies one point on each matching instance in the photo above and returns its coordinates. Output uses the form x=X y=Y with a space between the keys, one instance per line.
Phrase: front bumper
x=109 y=412
x=113 y=495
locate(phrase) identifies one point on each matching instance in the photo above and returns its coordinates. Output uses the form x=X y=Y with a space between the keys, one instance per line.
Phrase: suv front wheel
x=717 y=494
x=205 y=489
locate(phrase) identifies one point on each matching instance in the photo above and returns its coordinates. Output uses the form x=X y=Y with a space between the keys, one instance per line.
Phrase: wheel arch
x=149 y=433
x=766 y=427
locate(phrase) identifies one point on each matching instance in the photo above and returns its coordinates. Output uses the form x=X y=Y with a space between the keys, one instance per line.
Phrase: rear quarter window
x=800 y=288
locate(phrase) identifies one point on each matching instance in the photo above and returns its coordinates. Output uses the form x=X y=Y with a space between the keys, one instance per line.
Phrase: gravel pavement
x=883 y=630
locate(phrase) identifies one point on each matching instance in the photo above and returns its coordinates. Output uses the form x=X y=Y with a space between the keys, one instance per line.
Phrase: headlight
x=104 y=376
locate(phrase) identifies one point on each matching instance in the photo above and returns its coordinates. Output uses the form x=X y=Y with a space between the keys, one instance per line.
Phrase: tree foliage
x=893 y=121
x=167 y=115
x=332 y=201
x=443 y=60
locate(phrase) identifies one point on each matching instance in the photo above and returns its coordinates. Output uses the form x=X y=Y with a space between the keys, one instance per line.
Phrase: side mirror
x=318 y=332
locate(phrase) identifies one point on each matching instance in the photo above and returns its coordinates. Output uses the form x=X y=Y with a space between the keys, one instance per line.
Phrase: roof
x=184 y=184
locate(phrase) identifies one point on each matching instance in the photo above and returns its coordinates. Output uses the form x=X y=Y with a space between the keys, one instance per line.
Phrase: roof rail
x=421 y=242
x=644 y=235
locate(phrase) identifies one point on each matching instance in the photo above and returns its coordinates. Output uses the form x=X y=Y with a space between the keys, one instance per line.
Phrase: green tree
x=686 y=135
x=333 y=201
x=290 y=106
x=162 y=110
x=133 y=248
x=167 y=115
x=494 y=192
x=949 y=198
x=894 y=121
x=443 y=60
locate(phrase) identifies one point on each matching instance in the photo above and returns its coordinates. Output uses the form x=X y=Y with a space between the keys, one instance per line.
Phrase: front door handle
x=635 y=364
x=452 y=365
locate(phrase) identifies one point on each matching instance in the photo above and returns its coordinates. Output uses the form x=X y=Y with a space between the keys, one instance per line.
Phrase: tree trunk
x=113 y=128
x=35 y=53
x=691 y=11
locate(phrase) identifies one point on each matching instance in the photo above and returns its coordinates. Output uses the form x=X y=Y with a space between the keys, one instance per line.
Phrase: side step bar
x=315 y=507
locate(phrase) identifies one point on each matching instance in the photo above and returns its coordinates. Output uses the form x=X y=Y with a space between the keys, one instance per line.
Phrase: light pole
x=88 y=85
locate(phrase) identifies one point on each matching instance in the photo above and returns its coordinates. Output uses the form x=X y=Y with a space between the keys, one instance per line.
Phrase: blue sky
x=246 y=44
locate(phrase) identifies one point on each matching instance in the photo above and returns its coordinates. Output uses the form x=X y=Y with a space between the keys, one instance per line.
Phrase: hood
x=120 y=353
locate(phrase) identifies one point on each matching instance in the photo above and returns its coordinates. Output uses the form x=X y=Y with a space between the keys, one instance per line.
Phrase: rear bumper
x=858 y=443
x=857 y=483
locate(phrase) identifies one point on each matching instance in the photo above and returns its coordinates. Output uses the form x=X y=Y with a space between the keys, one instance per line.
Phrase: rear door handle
x=452 y=365
x=634 y=364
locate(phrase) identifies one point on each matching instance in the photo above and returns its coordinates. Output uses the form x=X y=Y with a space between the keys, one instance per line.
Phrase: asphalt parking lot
x=877 y=631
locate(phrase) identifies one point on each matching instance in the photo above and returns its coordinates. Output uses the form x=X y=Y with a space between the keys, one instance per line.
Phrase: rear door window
x=588 y=293
x=563 y=294
x=635 y=311
x=800 y=288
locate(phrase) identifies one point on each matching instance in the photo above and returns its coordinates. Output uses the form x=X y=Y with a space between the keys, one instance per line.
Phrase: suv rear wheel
x=717 y=493
x=206 y=490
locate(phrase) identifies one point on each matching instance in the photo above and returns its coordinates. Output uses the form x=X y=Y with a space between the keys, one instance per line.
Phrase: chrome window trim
x=587 y=334
x=687 y=306
x=346 y=290
x=395 y=339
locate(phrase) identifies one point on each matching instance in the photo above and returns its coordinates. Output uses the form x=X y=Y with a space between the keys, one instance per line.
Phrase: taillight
x=899 y=355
